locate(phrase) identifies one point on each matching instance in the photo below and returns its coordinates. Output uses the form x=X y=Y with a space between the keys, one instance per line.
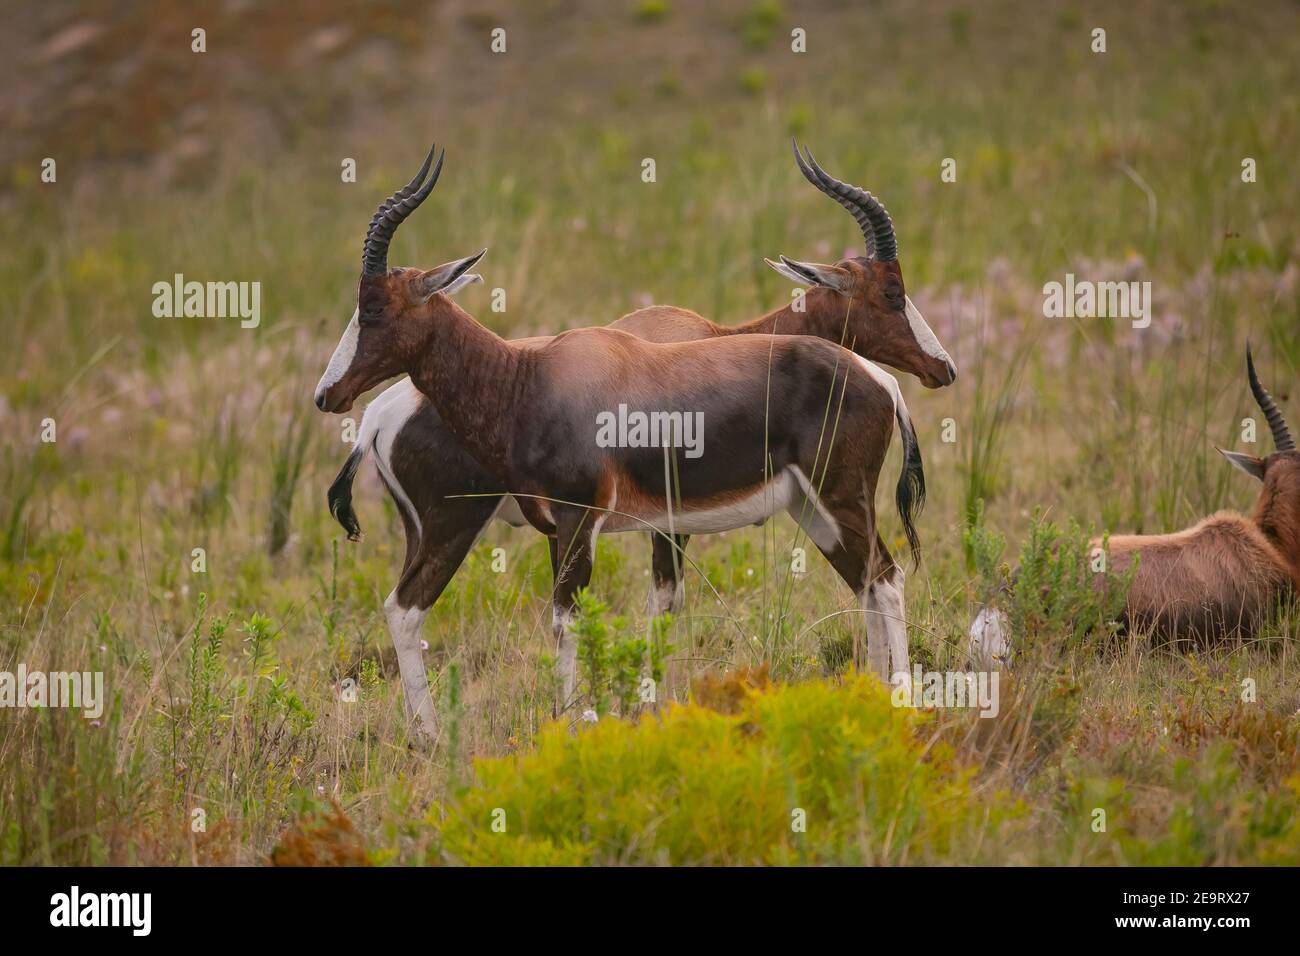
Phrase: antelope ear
x=812 y=273
x=456 y=285
x=446 y=277
x=1247 y=463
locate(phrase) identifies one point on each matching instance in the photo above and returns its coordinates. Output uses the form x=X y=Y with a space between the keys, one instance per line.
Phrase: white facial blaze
x=921 y=332
x=342 y=357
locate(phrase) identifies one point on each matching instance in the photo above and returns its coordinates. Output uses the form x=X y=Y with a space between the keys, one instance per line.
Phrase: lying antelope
x=1221 y=576
x=855 y=302
x=794 y=423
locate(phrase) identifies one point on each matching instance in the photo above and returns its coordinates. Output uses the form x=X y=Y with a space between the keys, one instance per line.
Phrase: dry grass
x=168 y=429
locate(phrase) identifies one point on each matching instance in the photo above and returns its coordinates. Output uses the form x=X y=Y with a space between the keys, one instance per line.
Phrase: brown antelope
x=793 y=422
x=1221 y=576
x=429 y=477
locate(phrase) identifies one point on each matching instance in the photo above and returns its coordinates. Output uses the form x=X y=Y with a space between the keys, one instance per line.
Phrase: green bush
x=1054 y=598
x=651 y=11
x=1210 y=815
x=611 y=661
x=813 y=773
x=760 y=22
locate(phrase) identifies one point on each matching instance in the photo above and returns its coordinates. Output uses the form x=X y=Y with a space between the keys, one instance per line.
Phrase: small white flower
x=589 y=716
x=424 y=645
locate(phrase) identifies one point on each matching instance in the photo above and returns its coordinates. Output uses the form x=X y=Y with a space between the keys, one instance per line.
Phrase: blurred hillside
x=107 y=82
x=119 y=82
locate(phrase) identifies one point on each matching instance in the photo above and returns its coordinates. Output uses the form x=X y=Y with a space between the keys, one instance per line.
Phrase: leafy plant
x=612 y=662
x=1061 y=591
x=811 y=773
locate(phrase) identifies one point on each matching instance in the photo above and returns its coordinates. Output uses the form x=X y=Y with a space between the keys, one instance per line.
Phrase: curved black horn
x=872 y=217
x=1281 y=434
x=392 y=212
x=401 y=193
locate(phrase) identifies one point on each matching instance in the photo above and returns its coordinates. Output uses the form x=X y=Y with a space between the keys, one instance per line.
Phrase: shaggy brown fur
x=1227 y=573
x=1221 y=575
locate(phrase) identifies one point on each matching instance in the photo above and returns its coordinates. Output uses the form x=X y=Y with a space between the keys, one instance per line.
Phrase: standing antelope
x=1222 y=575
x=446 y=498
x=793 y=422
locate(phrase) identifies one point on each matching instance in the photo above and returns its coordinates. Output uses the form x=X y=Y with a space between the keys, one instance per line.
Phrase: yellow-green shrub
x=694 y=786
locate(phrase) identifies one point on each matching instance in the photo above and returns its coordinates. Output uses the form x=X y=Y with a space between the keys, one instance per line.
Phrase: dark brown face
x=386 y=331
x=888 y=328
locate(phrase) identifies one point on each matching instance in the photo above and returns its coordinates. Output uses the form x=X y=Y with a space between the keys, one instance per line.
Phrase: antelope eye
x=370 y=317
x=894 y=294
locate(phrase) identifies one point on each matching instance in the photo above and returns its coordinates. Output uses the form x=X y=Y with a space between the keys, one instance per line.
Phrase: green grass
x=174 y=434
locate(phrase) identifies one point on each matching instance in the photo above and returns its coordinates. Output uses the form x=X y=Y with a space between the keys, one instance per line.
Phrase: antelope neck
x=474 y=379
x=825 y=316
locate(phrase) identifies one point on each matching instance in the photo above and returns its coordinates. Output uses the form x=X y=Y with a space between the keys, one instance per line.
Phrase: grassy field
x=226 y=738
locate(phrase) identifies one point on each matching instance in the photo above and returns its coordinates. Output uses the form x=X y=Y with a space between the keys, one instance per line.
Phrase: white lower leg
x=404 y=623
x=877 y=635
x=666 y=597
x=562 y=624
x=890 y=603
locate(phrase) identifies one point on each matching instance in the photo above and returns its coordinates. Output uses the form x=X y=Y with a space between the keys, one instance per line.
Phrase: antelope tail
x=340 y=494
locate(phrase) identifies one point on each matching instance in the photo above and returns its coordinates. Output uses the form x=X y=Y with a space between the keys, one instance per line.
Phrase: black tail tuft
x=340 y=496
x=910 y=494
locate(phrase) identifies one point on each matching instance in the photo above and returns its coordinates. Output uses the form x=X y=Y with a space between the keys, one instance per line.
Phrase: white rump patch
x=884 y=380
x=383 y=419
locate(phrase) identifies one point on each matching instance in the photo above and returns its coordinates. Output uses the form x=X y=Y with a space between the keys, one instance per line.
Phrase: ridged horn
x=1281 y=434
x=871 y=216
x=392 y=212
